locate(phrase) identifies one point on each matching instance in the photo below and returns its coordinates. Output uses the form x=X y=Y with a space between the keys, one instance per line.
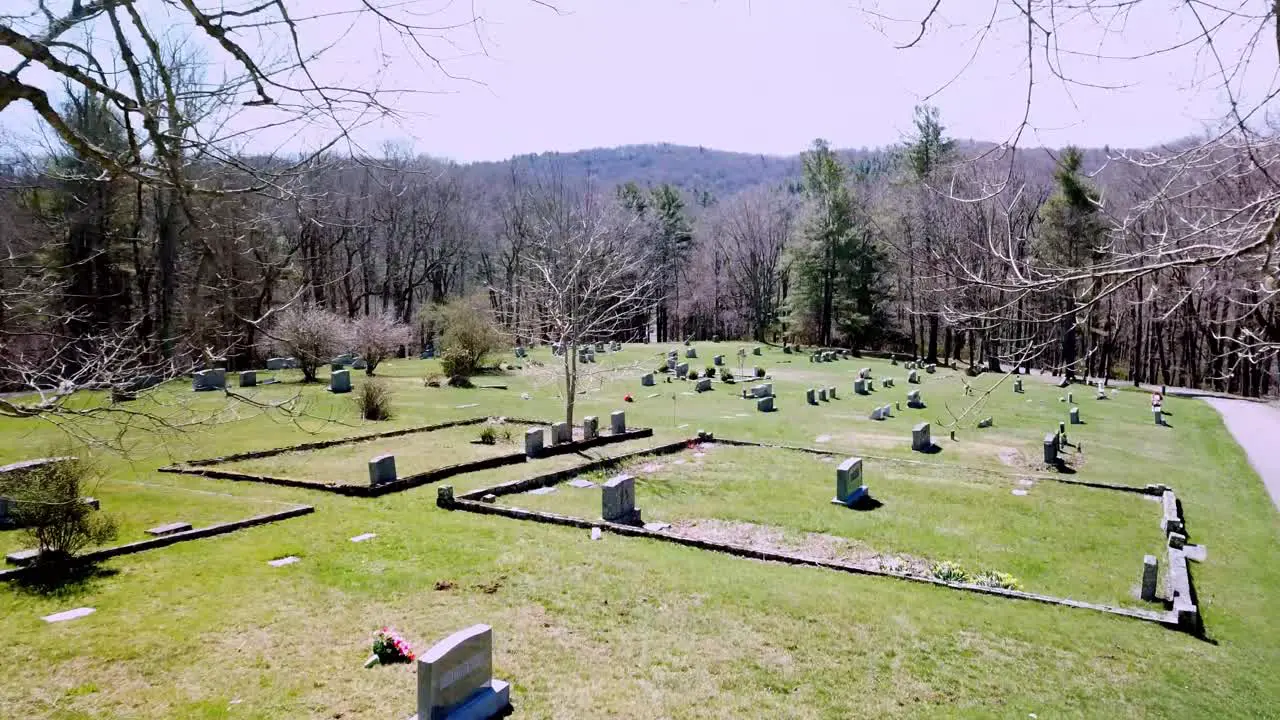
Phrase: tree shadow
x=61 y=580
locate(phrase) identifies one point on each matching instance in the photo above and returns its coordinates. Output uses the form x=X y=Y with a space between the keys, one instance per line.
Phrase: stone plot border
x=167 y=540
x=202 y=467
x=1184 y=615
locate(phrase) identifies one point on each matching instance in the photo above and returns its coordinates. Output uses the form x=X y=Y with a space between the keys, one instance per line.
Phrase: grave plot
x=1027 y=534
x=402 y=459
x=348 y=464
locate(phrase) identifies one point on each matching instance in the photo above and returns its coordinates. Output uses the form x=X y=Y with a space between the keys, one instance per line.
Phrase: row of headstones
x=586 y=353
x=216 y=379
x=930 y=368
x=829 y=355
x=562 y=433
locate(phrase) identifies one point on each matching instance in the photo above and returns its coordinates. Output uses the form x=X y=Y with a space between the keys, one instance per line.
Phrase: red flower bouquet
x=389 y=648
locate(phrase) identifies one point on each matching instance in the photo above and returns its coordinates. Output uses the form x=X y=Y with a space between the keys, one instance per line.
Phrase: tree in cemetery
x=468 y=334
x=752 y=232
x=591 y=272
x=1072 y=236
x=378 y=336
x=838 y=262
x=311 y=334
x=926 y=152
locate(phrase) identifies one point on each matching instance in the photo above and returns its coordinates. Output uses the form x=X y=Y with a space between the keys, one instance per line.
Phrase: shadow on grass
x=866 y=503
x=933 y=449
x=1063 y=468
x=61 y=580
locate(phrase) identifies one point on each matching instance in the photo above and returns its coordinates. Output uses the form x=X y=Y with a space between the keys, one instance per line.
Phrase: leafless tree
x=311 y=335
x=752 y=230
x=588 y=273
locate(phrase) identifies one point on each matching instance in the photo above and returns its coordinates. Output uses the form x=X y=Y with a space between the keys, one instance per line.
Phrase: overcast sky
x=769 y=76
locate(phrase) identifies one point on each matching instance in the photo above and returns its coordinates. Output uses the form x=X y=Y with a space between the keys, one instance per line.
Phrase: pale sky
x=768 y=76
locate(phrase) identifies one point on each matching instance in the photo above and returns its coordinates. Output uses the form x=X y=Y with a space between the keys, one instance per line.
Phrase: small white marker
x=468 y=405
x=595 y=533
x=281 y=562
x=68 y=615
x=364 y=536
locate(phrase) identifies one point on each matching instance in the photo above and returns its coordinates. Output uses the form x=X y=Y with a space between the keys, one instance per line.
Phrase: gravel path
x=1256 y=426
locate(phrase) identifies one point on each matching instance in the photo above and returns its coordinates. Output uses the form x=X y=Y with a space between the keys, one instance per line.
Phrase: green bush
x=726 y=374
x=469 y=334
x=710 y=371
x=692 y=374
x=373 y=398
x=49 y=506
x=489 y=435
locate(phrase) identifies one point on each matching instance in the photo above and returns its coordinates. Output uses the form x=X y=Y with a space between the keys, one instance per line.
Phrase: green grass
x=972 y=518
x=626 y=627
x=415 y=453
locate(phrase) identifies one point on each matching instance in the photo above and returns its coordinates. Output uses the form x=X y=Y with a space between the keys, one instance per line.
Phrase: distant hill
x=719 y=172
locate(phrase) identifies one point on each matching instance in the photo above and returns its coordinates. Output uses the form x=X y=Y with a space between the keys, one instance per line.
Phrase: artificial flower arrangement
x=389 y=648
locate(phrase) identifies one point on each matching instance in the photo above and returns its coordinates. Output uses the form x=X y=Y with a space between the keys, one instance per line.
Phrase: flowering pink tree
x=377 y=336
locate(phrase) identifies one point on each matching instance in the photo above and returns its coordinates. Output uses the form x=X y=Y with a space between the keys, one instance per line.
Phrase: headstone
x=691 y=352
x=359 y=364
x=718 y=360
x=704 y=384
x=520 y=351
x=860 y=386
x=1017 y=385
x=214 y=379
x=920 y=440
x=877 y=413
x=986 y=422
x=281 y=562
x=169 y=529
x=1157 y=414
x=768 y=389
x=755 y=350
x=617 y=422
x=362 y=537
x=886 y=382
x=682 y=370
x=618 y=500
x=590 y=427
x=810 y=396
x=913 y=400
x=277 y=363
x=671 y=364
x=340 y=381
x=893 y=360
x=599 y=347
x=764 y=404
x=22 y=558
x=1071 y=398
x=822 y=394
x=1150 y=571
x=871 y=385
x=335 y=366
x=1051 y=449
x=533 y=442
x=1075 y=416
x=831 y=392
x=849 y=487
x=930 y=368
x=248 y=378
x=646 y=380
x=913 y=377
x=455 y=678
x=561 y=433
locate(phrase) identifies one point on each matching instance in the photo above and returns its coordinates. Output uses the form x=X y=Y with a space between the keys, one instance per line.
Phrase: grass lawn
x=631 y=628
x=973 y=519
x=415 y=453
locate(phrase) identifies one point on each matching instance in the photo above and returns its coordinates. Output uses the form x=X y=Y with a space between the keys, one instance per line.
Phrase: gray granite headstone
x=913 y=377
x=718 y=360
x=590 y=427
x=704 y=384
x=1075 y=416
x=810 y=396
x=169 y=529
x=860 y=386
x=920 y=440
x=382 y=469
x=682 y=370
x=213 y=379
x=561 y=433
x=831 y=392
x=618 y=500
x=248 y=378
x=455 y=678
x=849 y=487
x=340 y=381
x=765 y=404
x=617 y=422
x=646 y=380
x=822 y=394
x=691 y=352
x=755 y=350
x=533 y=442
x=913 y=400
x=1017 y=385
x=1051 y=449
x=277 y=363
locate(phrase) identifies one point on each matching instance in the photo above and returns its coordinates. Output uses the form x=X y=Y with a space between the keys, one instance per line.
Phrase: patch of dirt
x=445 y=585
x=818 y=546
x=1011 y=457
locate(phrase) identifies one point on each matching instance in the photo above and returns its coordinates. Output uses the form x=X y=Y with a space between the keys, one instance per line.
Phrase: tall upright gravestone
x=455 y=678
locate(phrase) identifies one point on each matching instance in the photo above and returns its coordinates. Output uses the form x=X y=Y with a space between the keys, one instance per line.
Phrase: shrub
x=710 y=371
x=435 y=381
x=469 y=334
x=997 y=579
x=376 y=336
x=460 y=381
x=489 y=435
x=49 y=506
x=726 y=375
x=949 y=572
x=311 y=334
x=661 y=369
x=692 y=374
x=374 y=400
